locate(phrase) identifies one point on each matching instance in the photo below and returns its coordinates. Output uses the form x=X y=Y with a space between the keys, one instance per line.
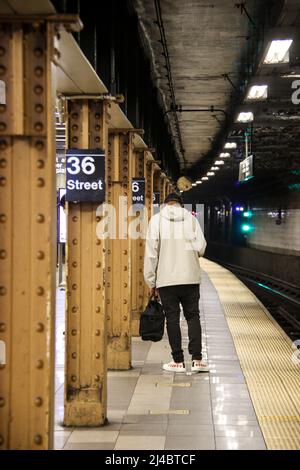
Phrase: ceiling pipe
x=211 y=109
x=163 y=41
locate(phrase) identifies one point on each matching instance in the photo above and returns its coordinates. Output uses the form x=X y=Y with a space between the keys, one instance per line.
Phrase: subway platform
x=249 y=401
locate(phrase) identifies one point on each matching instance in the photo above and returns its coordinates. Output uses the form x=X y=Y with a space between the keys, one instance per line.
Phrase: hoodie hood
x=174 y=213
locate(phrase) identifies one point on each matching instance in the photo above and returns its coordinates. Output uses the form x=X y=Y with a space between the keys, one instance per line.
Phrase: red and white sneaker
x=199 y=366
x=174 y=367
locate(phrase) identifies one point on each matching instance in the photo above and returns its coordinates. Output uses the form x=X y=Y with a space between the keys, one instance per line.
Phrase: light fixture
x=258 y=92
x=204 y=178
x=198 y=182
x=290 y=75
x=210 y=173
x=247 y=214
x=230 y=145
x=278 y=52
x=246 y=228
x=245 y=117
x=219 y=162
x=224 y=155
x=194 y=184
x=215 y=168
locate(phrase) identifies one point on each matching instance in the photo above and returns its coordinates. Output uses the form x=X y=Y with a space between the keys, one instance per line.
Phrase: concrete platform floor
x=154 y=410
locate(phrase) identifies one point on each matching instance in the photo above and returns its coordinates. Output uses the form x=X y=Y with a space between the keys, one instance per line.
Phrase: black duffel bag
x=152 y=322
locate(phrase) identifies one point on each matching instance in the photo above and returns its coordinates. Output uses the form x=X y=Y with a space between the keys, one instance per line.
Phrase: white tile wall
x=284 y=238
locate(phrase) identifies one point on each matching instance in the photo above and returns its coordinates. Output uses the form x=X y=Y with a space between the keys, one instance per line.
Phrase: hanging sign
x=246 y=169
x=138 y=190
x=85 y=175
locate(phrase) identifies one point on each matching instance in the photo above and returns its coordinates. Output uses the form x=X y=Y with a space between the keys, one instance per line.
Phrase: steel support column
x=149 y=205
x=118 y=302
x=156 y=183
x=137 y=251
x=86 y=332
x=27 y=234
x=162 y=187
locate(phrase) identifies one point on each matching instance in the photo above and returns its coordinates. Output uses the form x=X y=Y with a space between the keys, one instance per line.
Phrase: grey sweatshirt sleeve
x=151 y=253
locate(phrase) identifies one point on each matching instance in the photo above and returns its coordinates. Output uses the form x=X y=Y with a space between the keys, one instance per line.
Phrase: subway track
x=281 y=298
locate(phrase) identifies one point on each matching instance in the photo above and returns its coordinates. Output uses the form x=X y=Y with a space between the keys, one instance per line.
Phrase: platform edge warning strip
x=265 y=353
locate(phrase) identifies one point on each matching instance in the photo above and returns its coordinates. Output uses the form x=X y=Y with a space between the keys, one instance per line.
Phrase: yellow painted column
x=149 y=205
x=86 y=328
x=156 y=182
x=137 y=250
x=27 y=235
x=162 y=187
x=118 y=302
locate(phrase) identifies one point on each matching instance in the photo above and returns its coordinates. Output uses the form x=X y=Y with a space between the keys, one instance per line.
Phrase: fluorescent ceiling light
x=230 y=145
x=199 y=182
x=204 y=178
x=194 y=184
x=215 y=168
x=290 y=75
x=278 y=52
x=219 y=162
x=210 y=173
x=258 y=92
x=245 y=117
x=224 y=155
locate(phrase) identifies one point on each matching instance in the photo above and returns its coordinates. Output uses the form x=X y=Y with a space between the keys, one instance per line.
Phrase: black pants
x=188 y=295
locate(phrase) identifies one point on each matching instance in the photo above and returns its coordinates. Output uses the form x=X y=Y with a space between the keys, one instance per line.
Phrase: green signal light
x=246 y=228
x=247 y=214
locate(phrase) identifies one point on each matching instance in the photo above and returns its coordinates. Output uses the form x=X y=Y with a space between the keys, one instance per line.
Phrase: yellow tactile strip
x=265 y=354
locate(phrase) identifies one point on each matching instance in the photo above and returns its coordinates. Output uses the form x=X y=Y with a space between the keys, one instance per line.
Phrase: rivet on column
x=40 y=218
x=38 y=439
x=39 y=327
x=40 y=182
x=39 y=145
x=38 y=401
x=40 y=255
x=39 y=364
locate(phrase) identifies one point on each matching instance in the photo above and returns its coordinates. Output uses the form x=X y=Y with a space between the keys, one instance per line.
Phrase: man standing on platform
x=174 y=244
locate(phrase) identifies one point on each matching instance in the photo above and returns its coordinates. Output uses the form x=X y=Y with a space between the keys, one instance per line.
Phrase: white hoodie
x=173 y=246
